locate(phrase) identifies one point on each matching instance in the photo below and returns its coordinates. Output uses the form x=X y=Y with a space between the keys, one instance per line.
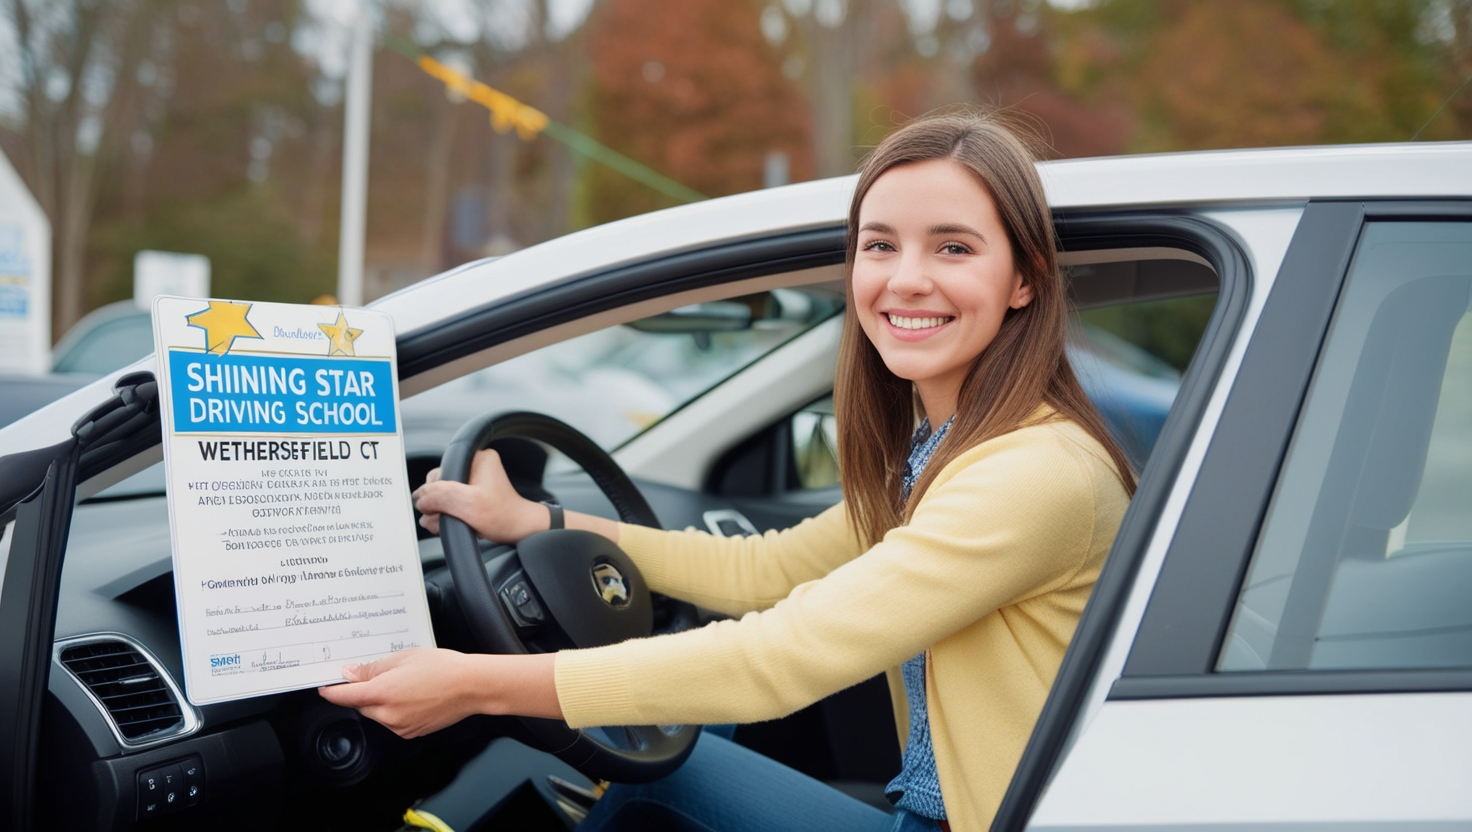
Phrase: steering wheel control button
x=520 y=603
x=590 y=588
x=609 y=583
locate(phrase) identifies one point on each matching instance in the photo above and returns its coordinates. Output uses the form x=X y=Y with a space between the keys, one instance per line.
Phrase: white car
x=1281 y=637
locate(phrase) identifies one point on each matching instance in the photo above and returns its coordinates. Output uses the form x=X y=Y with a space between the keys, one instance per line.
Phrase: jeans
x=725 y=787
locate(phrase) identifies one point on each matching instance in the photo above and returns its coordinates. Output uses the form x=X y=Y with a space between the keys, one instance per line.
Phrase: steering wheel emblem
x=610 y=585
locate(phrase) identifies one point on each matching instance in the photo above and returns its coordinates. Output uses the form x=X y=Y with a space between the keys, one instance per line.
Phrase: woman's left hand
x=412 y=693
x=419 y=691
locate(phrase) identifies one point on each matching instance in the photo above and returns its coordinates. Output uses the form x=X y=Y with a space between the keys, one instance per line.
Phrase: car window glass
x=1365 y=559
x=1139 y=327
x=614 y=383
x=1129 y=357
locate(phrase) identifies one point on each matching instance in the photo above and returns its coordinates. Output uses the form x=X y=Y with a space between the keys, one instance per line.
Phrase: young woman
x=959 y=561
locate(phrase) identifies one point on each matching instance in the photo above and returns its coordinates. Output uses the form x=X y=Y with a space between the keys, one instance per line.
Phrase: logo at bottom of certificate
x=225 y=664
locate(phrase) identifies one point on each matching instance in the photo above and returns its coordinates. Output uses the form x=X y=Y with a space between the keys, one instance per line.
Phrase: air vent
x=141 y=702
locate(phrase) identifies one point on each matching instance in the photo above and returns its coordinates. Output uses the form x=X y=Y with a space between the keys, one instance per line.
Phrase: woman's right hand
x=488 y=504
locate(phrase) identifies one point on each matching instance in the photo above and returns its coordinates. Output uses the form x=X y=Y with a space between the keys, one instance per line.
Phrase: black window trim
x=118 y=428
x=1218 y=246
x=1178 y=644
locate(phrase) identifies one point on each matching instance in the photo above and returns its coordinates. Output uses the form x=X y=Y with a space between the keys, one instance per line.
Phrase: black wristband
x=556 y=511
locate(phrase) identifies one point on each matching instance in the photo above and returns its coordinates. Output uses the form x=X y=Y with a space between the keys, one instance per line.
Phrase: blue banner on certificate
x=293 y=535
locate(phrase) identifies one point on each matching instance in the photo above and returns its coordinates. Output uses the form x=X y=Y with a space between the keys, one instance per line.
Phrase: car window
x=1140 y=322
x=614 y=383
x=1132 y=388
x=1365 y=559
x=1128 y=357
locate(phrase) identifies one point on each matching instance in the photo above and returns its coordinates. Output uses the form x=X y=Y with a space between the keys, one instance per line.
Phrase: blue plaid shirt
x=917 y=788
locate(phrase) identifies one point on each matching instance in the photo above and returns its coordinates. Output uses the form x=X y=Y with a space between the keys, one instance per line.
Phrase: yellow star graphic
x=223 y=322
x=340 y=335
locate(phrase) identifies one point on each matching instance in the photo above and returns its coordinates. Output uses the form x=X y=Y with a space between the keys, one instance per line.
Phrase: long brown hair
x=1023 y=367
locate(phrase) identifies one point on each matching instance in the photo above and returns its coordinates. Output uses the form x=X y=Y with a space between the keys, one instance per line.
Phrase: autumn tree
x=231 y=155
x=170 y=124
x=1256 y=73
x=1024 y=68
x=77 y=63
x=692 y=90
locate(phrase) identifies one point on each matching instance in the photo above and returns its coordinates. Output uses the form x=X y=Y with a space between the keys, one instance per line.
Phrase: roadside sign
x=25 y=278
x=169 y=273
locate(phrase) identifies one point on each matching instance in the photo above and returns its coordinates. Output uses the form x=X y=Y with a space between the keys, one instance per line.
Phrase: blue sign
x=240 y=393
x=15 y=300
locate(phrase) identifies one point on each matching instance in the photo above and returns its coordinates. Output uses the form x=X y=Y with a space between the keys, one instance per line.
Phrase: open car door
x=37 y=492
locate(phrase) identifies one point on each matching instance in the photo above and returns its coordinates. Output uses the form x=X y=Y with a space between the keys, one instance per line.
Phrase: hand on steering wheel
x=576 y=584
x=489 y=504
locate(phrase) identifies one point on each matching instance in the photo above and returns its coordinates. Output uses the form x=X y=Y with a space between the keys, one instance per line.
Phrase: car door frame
x=1081 y=662
x=479 y=329
x=1173 y=652
x=35 y=528
x=35 y=513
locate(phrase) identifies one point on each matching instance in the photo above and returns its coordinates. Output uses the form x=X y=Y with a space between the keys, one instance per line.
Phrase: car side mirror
x=814 y=431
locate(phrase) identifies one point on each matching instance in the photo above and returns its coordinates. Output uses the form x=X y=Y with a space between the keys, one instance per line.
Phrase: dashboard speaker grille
x=135 y=695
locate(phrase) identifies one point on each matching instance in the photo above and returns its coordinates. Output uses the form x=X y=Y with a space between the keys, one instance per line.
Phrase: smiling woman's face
x=933 y=276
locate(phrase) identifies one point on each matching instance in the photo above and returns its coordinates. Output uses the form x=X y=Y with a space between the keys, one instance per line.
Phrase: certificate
x=289 y=508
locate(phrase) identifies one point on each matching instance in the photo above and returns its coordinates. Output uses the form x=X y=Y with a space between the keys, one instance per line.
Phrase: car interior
x=747 y=444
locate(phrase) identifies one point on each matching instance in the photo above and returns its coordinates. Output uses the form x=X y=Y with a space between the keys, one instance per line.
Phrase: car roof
x=1207 y=178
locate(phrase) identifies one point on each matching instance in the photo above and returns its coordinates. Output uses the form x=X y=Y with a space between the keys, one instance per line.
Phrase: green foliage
x=255 y=252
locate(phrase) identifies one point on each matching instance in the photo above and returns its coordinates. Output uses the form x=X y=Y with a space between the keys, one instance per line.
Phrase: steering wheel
x=574 y=586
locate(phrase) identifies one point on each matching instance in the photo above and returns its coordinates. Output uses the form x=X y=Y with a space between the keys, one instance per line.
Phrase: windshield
x=614 y=383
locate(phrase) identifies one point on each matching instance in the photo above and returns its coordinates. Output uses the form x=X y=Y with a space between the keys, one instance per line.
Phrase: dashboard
x=124 y=749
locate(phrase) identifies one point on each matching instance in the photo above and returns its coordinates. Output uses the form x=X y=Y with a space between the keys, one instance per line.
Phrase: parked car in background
x=21 y=395
x=1279 y=639
x=105 y=339
x=108 y=338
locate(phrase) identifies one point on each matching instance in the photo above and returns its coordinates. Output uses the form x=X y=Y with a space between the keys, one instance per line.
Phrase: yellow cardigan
x=991 y=575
